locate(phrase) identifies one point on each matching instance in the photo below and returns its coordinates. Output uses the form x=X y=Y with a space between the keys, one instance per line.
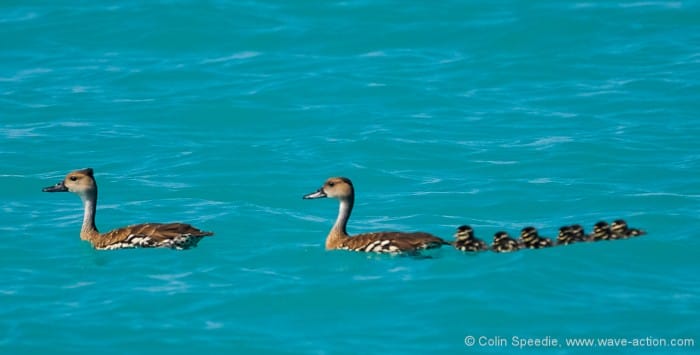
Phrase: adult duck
x=341 y=188
x=146 y=235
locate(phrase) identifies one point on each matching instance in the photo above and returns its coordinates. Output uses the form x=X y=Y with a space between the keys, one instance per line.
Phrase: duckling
x=531 y=239
x=565 y=236
x=601 y=231
x=342 y=189
x=620 y=229
x=570 y=234
x=503 y=243
x=147 y=235
x=466 y=241
x=579 y=235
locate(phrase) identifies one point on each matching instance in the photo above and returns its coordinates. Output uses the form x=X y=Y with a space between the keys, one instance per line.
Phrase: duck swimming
x=466 y=241
x=620 y=230
x=578 y=233
x=570 y=234
x=147 y=235
x=565 y=236
x=601 y=231
x=341 y=188
x=503 y=243
x=531 y=239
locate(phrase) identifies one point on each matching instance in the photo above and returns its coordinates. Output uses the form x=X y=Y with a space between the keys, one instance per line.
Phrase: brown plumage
x=391 y=242
x=151 y=235
x=381 y=242
x=147 y=235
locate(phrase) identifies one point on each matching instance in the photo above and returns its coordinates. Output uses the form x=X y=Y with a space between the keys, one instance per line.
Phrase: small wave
x=366 y=278
x=170 y=277
x=456 y=193
x=663 y=4
x=19 y=18
x=11 y=133
x=78 y=285
x=132 y=100
x=374 y=54
x=549 y=141
x=668 y=5
x=209 y=325
x=431 y=180
x=79 y=89
x=666 y=194
x=73 y=124
x=399 y=269
x=235 y=56
x=599 y=92
x=24 y=74
x=563 y=114
x=497 y=162
x=271 y=273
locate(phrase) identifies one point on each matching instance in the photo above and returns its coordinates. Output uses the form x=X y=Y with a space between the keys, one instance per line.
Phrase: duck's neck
x=339 y=232
x=88 y=230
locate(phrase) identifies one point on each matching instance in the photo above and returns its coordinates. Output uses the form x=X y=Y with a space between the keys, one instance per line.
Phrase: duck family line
x=184 y=236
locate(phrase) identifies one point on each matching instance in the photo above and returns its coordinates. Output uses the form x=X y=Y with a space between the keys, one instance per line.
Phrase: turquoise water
x=223 y=114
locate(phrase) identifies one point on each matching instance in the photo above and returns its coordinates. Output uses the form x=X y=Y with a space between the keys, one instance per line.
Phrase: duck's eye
x=331 y=184
x=73 y=178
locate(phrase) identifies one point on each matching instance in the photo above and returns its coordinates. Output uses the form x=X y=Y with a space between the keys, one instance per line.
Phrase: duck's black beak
x=317 y=194
x=60 y=187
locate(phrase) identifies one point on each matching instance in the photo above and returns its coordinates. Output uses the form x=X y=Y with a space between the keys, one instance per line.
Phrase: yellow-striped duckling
x=601 y=231
x=570 y=234
x=565 y=236
x=503 y=243
x=466 y=241
x=620 y=230
x=578 y=233
x=531 y=239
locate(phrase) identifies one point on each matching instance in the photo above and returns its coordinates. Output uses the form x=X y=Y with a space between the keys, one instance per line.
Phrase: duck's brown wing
x=392 y=242
x=152 y=235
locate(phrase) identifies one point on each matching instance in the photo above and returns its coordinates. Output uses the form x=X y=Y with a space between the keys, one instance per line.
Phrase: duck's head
x=335 y=187
x=81 y=182
x=464 y=232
